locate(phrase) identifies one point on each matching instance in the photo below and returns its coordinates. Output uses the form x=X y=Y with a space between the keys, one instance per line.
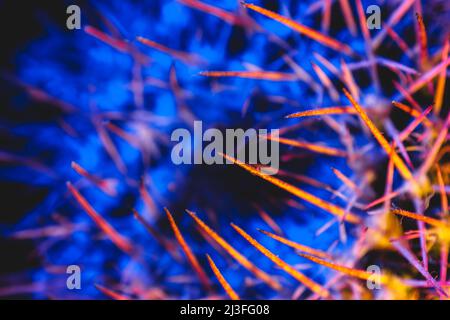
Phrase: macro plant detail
x=356 y=206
